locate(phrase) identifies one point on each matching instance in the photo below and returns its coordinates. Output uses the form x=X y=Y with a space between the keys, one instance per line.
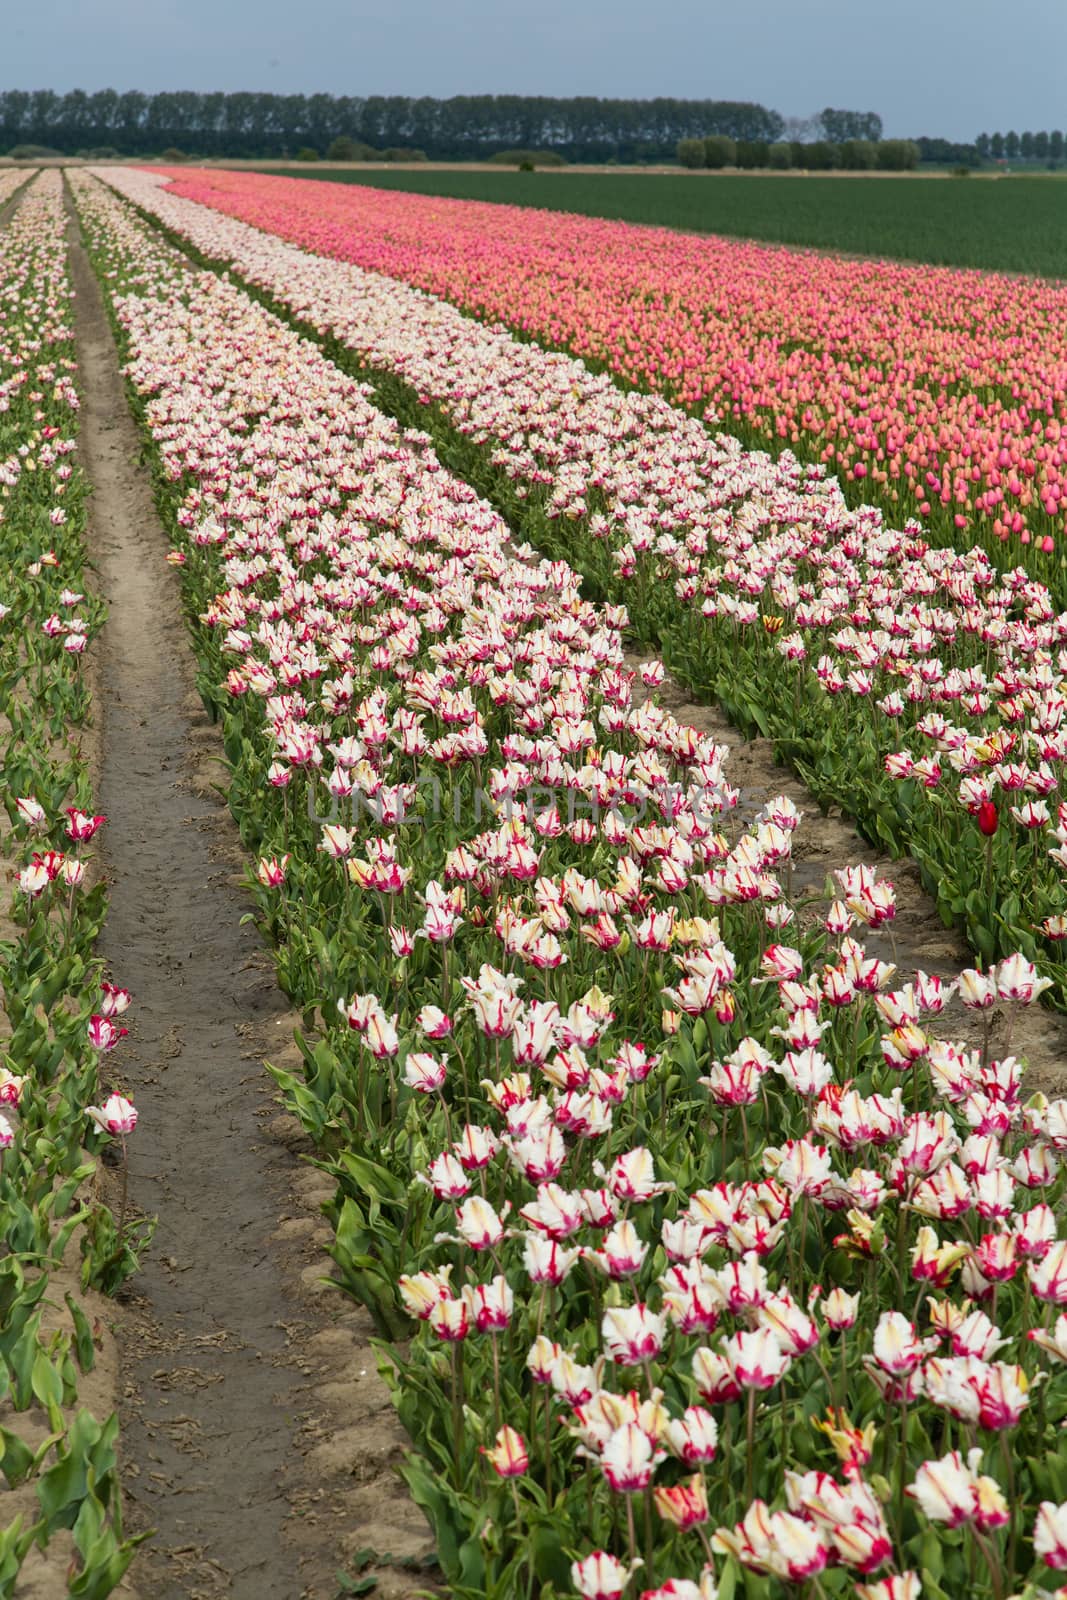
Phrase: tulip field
x=941 y=391
x=915 y=684
x=713 y=1254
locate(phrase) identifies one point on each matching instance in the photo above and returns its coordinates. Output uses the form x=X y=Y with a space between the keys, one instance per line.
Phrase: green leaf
x=17 y=1459
x=84 y=1348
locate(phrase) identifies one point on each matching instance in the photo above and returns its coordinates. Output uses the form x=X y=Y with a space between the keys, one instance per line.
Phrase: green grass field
x=1006 y=224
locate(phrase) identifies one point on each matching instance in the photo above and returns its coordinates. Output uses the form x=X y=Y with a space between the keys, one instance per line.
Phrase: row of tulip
x=57 y=1014
x=911 y=684
x=11 y=181
x=533 y=947
x=941 y=391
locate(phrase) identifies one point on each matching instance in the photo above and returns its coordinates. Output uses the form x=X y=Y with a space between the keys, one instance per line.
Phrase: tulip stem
x=1009 y=1470
x=630 y=1529
x=902 y=1472
x=989 y=1552
x=751 y=1443
x=457 y=1406
x=494 y=1342
x=519 y=1539
x=548 y=1445
x=649 y=1539
x=125 y=1190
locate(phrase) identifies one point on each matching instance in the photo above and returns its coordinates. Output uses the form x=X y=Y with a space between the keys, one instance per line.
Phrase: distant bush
x=345 y=149
x=752 y=153
x=530 y=158
x=856 y=155
x=307 y=152
x=898 y=155
x=172 y=154
x=33 y=152
x=690 y=152
x=102 y=152
x=818 y=157
x=961 y=172
x=780 y=156
x=720 y=151
x=399 y=152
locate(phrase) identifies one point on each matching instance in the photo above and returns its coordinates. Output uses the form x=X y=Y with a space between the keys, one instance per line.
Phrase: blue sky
x=928 y=66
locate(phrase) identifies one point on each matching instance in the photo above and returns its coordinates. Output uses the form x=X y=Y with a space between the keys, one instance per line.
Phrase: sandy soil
x=258 y=1440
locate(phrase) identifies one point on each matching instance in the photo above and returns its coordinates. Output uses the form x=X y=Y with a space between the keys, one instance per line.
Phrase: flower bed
x=942 y=390
x=11 y=181
x=704 y=1264
x=915 y=686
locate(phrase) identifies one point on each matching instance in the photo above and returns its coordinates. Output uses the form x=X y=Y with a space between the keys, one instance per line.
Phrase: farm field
x=934 y=392
x=536 y=1092
x=1010 y=224
x=865 y=717
x=652 y=1146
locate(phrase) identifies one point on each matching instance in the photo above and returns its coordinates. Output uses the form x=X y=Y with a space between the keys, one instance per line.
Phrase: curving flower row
x=11 y=181
x=706 y=1258
x=916 y=686
x=943 y=390
x=58 y=1018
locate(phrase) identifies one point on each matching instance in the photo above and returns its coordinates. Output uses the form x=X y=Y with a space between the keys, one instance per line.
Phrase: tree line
x=818 y=155
x=1044 y=146
x=462 y=127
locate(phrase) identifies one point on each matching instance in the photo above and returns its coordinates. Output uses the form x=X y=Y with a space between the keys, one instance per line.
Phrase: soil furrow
x=254 y=1434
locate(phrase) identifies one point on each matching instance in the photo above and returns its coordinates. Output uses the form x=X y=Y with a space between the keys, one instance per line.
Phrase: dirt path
x=257 y=1437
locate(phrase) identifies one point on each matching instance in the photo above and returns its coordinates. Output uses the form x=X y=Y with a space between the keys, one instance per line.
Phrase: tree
x=856 y=155
x=1055 y=144
x=818 y=157
x=841 y=126
x=947 y=153
x=344 y=149
x=898 y=155
x=103 y=116
x=464 y=126
x=690 y=152
x=780 y=156
x=720 y=151
x=1041 y=145
x=996 y=146
x=981 y=144
x=752 y=153
x=1026 y=145
x=800 y=130
x=1011 y=145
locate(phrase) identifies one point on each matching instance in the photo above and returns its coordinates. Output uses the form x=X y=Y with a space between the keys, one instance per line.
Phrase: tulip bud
x=988 y=818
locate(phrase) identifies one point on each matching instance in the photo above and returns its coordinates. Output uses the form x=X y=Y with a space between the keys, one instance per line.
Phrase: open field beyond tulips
x=1000 y=224
x=682 y=1206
